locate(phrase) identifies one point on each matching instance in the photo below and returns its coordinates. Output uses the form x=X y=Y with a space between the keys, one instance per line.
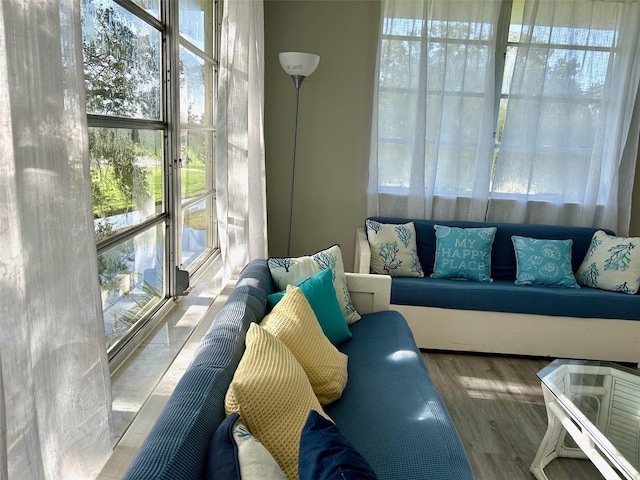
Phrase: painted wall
x=333 y=125
x=334 y=122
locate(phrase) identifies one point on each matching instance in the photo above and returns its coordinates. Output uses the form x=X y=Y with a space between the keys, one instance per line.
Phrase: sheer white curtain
x=432 y=135
x=569 y=146
x=55 y=388
x=563 y=107
x=240 y=165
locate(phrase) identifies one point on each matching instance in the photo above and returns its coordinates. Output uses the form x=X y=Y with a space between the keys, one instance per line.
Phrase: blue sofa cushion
x=417 y=438
x=503 y=262
x=325 y=454
x=178 y=444
x=505 y=296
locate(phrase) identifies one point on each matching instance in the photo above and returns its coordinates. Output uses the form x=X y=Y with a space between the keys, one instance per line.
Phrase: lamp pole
x=299 y=66
x=297 y=81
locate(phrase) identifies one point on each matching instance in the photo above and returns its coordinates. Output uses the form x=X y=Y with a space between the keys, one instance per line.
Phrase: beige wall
x=333 y=126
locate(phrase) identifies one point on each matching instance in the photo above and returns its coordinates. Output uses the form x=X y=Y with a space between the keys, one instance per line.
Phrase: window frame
x=173 y=206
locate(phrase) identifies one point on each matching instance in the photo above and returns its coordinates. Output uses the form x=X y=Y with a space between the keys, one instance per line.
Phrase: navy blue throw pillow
x=223 y=452
x=325 y=454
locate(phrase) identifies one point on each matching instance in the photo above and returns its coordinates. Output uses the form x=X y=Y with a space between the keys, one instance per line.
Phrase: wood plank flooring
x=497 y=405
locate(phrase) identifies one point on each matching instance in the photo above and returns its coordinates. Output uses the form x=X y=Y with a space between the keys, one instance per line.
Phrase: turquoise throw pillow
x=321 y=295
x=463 y=253
x=544 y=262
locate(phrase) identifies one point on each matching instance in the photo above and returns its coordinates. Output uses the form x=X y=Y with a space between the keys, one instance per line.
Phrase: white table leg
x=550 y=447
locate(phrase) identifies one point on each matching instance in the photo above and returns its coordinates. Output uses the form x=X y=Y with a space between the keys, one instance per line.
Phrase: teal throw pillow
x=321 y=295
x=463 y=253
x=543 y=262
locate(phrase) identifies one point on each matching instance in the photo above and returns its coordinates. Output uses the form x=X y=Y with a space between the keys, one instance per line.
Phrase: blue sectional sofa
x=502 y=317
x=389 y=410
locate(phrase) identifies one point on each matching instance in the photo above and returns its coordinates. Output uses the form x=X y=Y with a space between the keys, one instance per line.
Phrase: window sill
x=143 y=384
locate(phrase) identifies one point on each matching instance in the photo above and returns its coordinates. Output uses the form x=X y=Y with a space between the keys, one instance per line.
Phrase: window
x=556 y=97
x=455 y=47
x=481 y=104
x=150 y=106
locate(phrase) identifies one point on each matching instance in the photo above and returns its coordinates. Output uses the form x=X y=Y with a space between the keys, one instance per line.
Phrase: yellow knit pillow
x=273 y=396
x=293 y=321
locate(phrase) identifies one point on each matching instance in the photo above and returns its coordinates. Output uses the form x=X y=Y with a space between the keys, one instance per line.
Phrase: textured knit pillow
x=321 y=294
x=293 y=322
x=463 y=253
x=235 y=454
x=611 y=263
x=294 y=270
x=543 y=262
x=325 y=454
x=274 y=397
x=393 y=249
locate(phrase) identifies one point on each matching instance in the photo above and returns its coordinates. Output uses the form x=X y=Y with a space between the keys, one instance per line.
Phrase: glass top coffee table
x=598 y=405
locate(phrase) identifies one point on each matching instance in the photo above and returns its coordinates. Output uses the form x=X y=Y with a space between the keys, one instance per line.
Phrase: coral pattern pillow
x=611 y=263
x=292 y=271
x=293 y=322
x=273 y=396
x=393 y=249
x=544 y=262
x=463 y=253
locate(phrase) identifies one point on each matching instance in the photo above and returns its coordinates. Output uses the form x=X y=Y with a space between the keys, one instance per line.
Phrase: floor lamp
x=299 y=66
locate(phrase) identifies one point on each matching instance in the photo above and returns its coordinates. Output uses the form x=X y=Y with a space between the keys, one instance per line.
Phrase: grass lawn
x=193 y=182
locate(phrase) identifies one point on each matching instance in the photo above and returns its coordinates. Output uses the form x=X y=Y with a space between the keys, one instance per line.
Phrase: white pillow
x=393 y=249
x=611 y=263
x=256 y=463
x=292 y=271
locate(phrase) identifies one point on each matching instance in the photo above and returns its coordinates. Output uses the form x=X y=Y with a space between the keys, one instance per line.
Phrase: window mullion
x=502 y=39
x=172 y=117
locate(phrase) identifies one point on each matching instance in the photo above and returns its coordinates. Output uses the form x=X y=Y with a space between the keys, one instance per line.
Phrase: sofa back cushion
x=178 y=444
x=503 y=260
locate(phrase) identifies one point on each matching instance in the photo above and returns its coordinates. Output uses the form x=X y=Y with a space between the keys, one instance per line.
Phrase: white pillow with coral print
x=289 y=270
x=611 y=263
x=393 y=249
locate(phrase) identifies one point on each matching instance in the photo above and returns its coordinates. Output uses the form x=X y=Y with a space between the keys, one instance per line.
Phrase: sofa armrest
x=369 y=293
x=363 y=252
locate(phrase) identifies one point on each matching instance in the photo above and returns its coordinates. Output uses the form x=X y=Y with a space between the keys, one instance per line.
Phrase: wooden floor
x=496 y=403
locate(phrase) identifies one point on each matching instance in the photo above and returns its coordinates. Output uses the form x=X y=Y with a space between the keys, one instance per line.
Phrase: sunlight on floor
x=491 y=389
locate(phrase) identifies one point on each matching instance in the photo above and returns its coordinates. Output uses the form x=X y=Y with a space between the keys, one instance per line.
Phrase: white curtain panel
x=54 y=380
x=568 y=149
x=432 y=140
x=240 y=163
x=569 y=146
